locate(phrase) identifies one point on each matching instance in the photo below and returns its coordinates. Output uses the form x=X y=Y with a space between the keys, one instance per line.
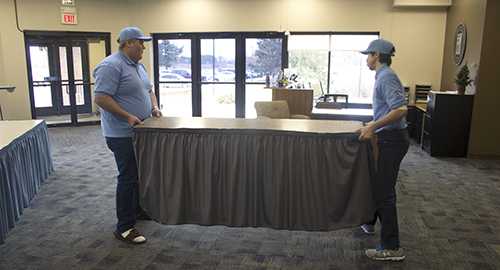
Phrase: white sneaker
x=368 y=229
x=131 y=236
x=381 y=254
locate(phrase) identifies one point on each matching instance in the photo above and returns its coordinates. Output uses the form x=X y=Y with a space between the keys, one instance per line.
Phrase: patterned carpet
x=449 y=212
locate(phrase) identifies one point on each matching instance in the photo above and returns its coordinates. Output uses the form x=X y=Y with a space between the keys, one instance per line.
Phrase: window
x=215 y=74
x=218 y=56
x=334 y=59
x=263 y=55
x=174 y=64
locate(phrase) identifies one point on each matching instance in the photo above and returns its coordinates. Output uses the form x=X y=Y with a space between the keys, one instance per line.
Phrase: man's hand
x=132 y=121
x=108 y=104
x=156 y=112
x=366 y=133
x=392 y=117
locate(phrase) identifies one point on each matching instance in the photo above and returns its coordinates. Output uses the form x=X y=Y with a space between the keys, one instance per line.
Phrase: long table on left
x=25 y=163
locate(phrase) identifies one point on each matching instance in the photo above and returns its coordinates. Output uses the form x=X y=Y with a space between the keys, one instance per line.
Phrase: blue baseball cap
x=379 y=45
x=130 y=33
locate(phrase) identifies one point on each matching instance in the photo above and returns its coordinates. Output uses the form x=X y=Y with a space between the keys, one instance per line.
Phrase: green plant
x=463 y=77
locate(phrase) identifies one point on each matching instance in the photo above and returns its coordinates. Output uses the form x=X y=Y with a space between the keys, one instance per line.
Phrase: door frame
x=67 y=39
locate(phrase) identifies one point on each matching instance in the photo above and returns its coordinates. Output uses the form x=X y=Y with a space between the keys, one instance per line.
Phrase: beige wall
x=97 y=52
x=485 y=129
x=482 y=19
x=415 y=31
x=471 y=13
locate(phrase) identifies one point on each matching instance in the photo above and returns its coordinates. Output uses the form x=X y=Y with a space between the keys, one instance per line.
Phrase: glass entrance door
x=175 y=77
x=204 y=87
x=216 y=75
x=60 y=78
x=218 y=87
x=80 y=78
x=51 y=80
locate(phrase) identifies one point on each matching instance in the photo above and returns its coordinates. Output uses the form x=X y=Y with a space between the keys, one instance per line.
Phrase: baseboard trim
x=486 y=157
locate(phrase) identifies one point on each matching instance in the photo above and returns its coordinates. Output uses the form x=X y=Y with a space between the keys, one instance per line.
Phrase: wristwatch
x=155 y=107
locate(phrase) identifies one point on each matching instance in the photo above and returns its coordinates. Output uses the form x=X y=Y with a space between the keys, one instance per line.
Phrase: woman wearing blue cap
x=124 y=93
x=389 y=123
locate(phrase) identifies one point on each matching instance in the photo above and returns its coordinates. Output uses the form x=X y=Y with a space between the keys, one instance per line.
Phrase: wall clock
x=459 y=44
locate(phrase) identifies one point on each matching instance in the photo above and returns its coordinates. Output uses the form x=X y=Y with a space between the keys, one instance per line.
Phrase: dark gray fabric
x=24 y=165
x=248 y=177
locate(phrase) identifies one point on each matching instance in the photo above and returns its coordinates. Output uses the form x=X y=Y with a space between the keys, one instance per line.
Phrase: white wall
x=417 y=32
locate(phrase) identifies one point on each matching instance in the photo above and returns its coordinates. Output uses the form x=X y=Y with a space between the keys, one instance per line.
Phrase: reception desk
x=278 y=173
x=300 y=101
x=25 y=163
x=364 y=115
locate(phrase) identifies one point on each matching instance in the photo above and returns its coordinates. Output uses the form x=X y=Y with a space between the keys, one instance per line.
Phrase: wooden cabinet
x=447 y=124
x=410 y=118
x=300 y=101
x=414 y=120
x=418 y=125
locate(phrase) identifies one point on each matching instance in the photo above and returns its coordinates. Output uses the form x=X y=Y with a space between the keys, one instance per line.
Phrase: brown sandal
x=133 y=234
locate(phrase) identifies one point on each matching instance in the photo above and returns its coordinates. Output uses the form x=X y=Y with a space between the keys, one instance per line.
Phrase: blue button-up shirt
x=388 y=94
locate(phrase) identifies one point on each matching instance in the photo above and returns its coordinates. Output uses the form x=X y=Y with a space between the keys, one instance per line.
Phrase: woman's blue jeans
x=127 y=188
x=392 y=147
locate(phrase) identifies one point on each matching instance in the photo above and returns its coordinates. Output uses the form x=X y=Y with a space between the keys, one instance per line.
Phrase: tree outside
x=267 y=57
x=169 y=53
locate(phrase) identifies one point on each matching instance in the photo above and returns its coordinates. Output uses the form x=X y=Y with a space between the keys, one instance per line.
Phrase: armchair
x=276 y=109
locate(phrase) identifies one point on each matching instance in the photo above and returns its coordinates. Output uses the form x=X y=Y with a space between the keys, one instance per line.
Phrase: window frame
x=330 y=33
x=240 y=63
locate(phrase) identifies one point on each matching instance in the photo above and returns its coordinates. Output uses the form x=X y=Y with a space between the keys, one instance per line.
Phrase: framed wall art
x=459 y=44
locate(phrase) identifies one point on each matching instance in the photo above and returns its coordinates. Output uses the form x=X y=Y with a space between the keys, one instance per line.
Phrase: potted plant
x=463 y=79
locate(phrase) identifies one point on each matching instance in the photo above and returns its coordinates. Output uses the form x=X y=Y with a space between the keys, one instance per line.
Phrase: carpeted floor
x=449 y=212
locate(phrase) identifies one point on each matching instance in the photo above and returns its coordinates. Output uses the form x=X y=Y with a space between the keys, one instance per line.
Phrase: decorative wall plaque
x=459 y=44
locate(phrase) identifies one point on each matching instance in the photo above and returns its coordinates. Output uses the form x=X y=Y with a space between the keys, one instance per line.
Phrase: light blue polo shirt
x=388 y=94
x=127 y=83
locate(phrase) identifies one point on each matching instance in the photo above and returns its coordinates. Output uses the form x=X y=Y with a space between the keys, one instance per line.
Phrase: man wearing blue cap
x=389 y=123
x=124 y=93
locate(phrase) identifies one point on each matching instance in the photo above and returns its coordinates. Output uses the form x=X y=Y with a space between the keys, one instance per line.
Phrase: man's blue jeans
x=392 y=147
x=127 y=188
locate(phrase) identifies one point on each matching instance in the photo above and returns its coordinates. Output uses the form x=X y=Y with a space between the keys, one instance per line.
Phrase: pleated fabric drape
x=24 y=165
x=255 y=178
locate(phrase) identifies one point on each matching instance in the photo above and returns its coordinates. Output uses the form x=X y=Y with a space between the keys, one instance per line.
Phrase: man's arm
x=390 y=118
x=109 y=105
x=154 y=103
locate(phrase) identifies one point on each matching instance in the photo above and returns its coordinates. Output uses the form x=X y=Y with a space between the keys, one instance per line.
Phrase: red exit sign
x=69 y=18
x=68 y=15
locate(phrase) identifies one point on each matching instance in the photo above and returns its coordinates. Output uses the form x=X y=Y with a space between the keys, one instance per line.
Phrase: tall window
x=263 y=55
x=218 y=98
x=174 y=61
x=334 y=59
x=215 y=74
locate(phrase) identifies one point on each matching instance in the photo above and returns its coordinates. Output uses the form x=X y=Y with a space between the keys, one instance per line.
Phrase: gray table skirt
x=25 y=164
x=255 y=178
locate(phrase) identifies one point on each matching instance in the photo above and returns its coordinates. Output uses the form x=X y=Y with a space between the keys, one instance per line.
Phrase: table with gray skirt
x=279 y=173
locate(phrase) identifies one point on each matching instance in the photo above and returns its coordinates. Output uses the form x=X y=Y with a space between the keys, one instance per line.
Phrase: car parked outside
x=207 y=76
x=225 y=76
x=184 y=73
x=171 y=77
x=251 y=74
